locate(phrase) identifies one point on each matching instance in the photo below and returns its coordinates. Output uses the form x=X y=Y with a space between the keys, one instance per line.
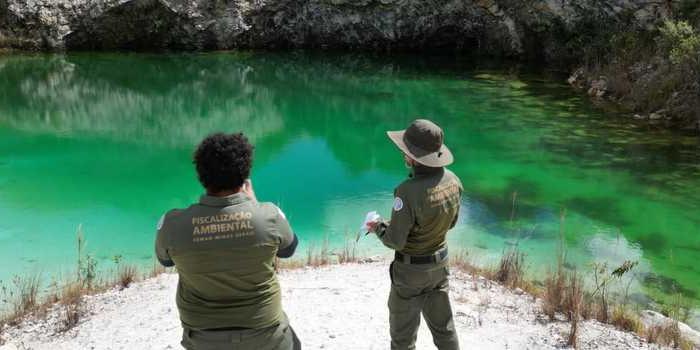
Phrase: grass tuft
x=511 y=268
x=572 y=307
x=127 y=275
x=626 y=320
x=72 y=302
x=348 y=254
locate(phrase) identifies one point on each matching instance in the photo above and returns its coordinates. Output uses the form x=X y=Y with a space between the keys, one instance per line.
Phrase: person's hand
x=372 y=226
x=247 y=188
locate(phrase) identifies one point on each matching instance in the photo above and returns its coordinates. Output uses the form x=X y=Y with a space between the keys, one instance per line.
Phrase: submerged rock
x=498 y=27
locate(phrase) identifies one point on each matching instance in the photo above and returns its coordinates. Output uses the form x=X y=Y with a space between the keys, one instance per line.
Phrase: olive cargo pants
x=280 y=337
x=417 y=289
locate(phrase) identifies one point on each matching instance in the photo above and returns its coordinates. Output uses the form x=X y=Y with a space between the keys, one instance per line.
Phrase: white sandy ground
x=339 y=307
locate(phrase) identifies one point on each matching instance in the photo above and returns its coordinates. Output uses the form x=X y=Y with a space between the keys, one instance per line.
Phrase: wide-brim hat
x=423 y=141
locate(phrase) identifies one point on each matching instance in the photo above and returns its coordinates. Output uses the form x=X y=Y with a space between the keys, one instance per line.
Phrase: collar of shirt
x=212 y=201
x=424 y=171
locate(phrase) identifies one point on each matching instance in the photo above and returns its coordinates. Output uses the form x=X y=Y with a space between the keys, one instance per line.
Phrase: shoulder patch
x=160 y=222
x=398 y=204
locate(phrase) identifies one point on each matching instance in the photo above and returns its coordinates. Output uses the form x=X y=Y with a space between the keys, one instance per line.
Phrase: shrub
x=680 y=43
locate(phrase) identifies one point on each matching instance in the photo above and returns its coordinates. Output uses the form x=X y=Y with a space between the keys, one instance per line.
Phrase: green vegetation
x=654 y=72
x=681 y=43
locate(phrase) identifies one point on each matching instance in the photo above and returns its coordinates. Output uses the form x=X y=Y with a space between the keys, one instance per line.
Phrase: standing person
x=224 y=249
x=425 y=207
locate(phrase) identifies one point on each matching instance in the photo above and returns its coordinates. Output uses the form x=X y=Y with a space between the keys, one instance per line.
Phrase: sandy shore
x=335 y=307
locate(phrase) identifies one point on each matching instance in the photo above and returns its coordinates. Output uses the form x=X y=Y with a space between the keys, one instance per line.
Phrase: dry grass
x=127 y=274
x=156 y=270
x=71 y=299
x=25 y=299
x=572 y=306
x=462 y=262
x=318 y=258
x=668 y=334
x=626 y=320
x=348 y=253
x=554 y=290
x=511 y=269
x=22 y=296
x=28 y=292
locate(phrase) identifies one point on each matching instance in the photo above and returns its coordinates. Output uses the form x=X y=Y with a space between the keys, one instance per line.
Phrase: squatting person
x=425 y=207
x=224 y=248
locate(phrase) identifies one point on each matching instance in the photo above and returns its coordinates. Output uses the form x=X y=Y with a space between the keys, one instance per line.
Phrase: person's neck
x=419 y=169
x=223 y=193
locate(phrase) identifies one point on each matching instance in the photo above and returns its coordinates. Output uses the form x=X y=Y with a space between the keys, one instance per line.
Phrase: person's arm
x=161 y=247
x=394 y=233
x=459 y=201
x=288 y=240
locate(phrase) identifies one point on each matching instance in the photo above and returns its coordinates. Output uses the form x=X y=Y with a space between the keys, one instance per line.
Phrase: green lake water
x=105 y=141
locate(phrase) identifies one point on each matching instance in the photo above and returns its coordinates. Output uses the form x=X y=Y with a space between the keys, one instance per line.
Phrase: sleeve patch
x=398 y=204
x=160 y=222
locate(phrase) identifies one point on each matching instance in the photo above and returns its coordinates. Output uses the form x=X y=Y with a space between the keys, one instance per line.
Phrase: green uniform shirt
x=426 y=206
x=224 y=250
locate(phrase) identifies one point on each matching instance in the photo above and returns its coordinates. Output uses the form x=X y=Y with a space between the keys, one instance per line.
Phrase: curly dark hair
x=223 y=161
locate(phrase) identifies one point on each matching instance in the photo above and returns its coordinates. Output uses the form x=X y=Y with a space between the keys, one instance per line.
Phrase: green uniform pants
x=280 y=337
x=417 y=289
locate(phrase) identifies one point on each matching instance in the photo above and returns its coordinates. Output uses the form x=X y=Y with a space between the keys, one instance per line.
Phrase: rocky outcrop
x=497 y=27
x=651 y=89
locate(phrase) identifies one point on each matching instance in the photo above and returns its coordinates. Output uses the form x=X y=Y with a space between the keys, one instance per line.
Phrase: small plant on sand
x=127 y=274
x=156 y=269
x=574 y=297
x=348 y=254
x=511 y=268
x=603 y=281
x=555 y=283
x=320 y=258
x=626 y=320
x=462 y=262
x=87 y=265
x=71 y=300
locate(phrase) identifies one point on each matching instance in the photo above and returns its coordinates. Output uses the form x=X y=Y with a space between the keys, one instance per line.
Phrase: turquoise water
x=105 y=140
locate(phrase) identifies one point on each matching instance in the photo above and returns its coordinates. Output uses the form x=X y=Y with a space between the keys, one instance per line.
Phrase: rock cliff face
x=498 y=27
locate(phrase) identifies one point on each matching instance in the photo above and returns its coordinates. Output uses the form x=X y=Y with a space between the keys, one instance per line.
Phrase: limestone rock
x=599 y=87
x=497 y=27
x=652 y=318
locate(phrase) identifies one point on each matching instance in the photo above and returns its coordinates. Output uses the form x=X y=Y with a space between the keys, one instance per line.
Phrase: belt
x=225 y=329
x=434 y=258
